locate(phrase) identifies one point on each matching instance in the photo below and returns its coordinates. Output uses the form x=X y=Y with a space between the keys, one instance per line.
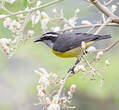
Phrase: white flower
x=77 y=10
x=33 y=19
x=36 y=17
x=39 y=87
x=107 y=63
x=20 y=16
x=83 y=45
x=66 y=26
x=12 y=28
x=56 y=29
x=61 y=81
x=44 y=81
x=30 y=33
x=7 y=22
x=2 y=16
x=79 y=68
x=54 y=10
x=72 y=88
x=41 y=91
x=113 y=8
x=63 y=100
x=4 y=42
x=38 y=14
x=71 y=22
x=91 y=49
x=86 y=22
x=44 y=15
x=99 y=55
x=44 y=23
x=10 y=1
x=43 y=71
x=14 y=22
x=69 y=93
x=56 y=99
x=18 y=26
x=55 y=76
x=38 y=3
x=48 y=100
x=53 y=106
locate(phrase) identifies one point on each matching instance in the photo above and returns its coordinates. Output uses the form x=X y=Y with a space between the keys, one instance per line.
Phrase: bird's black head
x=48 y=38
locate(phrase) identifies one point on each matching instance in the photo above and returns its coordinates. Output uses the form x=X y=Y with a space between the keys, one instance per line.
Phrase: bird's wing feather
x=66 y=42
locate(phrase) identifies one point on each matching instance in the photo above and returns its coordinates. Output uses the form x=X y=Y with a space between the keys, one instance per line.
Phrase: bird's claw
x=72 y=70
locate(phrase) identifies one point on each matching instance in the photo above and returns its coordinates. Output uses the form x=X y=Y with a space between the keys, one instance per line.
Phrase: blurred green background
x=18 y=81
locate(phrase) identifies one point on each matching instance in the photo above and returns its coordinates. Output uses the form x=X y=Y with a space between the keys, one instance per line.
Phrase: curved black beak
x=38 y=39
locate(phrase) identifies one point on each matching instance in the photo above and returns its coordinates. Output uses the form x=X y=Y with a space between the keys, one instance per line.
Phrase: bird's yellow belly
x=69 y=54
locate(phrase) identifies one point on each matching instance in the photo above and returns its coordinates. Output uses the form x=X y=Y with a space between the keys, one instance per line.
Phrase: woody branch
x=105 y=10
x=111 y=18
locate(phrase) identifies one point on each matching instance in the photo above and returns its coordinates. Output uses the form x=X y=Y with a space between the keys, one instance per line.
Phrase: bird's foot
x=72 y=70
x=73 y=67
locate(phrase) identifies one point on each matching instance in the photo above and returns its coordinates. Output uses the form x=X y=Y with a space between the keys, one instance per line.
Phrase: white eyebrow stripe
x=55 y=35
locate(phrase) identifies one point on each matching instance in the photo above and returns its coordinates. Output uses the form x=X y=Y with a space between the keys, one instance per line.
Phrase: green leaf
x=24 y=3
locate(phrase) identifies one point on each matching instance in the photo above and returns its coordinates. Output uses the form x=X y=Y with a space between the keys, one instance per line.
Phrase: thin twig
x=89 y=26
x=33 y=9
x=105 y=10
x=64 y=81
x=112 y=45
x=103 y=25
x=71 y=71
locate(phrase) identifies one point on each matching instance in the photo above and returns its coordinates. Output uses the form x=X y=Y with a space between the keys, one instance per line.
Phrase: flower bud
x=30 y=33
x=61 y=81
x=56 y=99
x=54 y=10
x=107 y=63
x=77 y=10
x=80 y=68
x=7 y=22
x=14 y=22
x=113 y=8
x=83 y=45
x=48 y=100
x=99 y=55
x=91 y=49
x=69 y=93
x=18 y=25
x=86 y=22
x=63 y=100
x=56 y=29
x=4 y=42
x=6 y=49
x=72 y=88
x=55 y=76
x=38 y=3
x=20 y=16
x=44 y=15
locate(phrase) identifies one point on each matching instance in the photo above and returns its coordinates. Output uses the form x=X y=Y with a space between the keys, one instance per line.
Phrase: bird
x=68 y=45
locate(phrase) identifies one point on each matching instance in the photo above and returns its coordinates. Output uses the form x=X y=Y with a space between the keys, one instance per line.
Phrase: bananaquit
x=68 y=45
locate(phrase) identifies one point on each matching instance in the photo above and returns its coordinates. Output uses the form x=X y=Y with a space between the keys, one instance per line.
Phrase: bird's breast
x=70 y=53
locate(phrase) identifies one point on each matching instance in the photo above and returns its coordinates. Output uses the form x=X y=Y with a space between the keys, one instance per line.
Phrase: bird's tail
x=100 y=37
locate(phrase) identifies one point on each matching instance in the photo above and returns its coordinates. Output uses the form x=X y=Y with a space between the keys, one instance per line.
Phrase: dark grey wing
x=69 y=41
